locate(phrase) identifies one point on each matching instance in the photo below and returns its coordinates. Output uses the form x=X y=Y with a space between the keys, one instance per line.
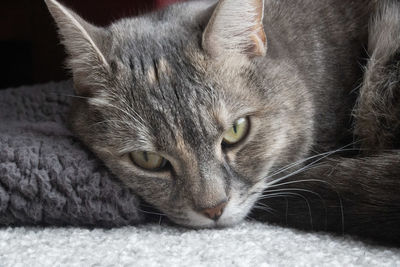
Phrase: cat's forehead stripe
x=151 y=76
x=164 y=66
x=159 y=68
x=182 y=147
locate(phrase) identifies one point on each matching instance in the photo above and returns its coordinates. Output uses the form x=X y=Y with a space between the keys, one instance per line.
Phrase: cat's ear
x=236 y=26
x=84 y=43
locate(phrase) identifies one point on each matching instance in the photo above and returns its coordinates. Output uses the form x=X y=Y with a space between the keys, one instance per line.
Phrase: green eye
x=148 y=160
x=237 y=133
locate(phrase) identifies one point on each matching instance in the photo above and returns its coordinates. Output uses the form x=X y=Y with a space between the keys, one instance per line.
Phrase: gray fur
x=378 y=109
x=175 y=82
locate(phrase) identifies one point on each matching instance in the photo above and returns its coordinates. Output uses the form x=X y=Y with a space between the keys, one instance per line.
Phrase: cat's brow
x=140 y=144
x=221 y=115
x=226 y=118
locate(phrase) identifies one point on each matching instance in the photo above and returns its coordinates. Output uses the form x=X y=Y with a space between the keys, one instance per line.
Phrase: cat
x=211 y=110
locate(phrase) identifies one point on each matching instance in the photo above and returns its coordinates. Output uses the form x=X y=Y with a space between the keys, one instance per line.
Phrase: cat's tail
x=377 y=115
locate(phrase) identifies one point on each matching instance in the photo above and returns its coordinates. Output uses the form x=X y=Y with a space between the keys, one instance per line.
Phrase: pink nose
x=215 y=212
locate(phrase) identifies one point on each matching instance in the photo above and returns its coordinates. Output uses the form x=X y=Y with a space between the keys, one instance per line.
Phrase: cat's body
x=174 y=82
x=324 y=42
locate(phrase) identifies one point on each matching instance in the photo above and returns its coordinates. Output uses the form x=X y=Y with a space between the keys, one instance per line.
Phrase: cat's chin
x=198 y=221
x=208 y=224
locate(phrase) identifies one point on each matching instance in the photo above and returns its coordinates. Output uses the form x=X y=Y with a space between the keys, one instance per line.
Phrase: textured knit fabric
x=46 y=176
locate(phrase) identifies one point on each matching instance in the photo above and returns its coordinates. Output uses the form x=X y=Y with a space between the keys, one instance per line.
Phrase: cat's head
x=184 y=107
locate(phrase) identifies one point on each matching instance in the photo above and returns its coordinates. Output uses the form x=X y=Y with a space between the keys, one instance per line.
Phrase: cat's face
x=192 y=127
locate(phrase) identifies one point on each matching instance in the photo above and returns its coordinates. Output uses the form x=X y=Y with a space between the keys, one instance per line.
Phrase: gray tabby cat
x=205 y=108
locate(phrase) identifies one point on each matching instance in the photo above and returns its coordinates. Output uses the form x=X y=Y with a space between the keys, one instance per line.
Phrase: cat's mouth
x=235 y=211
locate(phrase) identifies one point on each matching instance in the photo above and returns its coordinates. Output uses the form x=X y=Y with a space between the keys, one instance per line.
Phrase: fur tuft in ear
x=236 y=26
x=83 y=42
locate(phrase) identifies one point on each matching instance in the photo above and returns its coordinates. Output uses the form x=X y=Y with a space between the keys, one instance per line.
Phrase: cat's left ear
x=85 y=45
x=236 y=26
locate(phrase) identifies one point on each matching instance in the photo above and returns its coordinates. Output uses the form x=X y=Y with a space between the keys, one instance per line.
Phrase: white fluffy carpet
x=248 y=244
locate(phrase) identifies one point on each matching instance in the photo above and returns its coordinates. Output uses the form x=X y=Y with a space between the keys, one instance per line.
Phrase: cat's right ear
x=236 y=27
x=84 y=43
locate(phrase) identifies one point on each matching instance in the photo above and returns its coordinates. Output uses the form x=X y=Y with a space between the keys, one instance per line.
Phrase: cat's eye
x=237 y=132
x=148 y=160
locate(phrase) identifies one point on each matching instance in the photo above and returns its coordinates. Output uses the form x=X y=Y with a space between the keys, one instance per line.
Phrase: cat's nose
x=215 y=212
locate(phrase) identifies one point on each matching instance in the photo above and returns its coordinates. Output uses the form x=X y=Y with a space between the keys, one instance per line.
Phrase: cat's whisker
x=152 y=213
x=326 y=155
x=299 y=181
x=320 y=181
x=294 y=189
x=322 y=155
x=297 y=195
x=130 y=109
x=301 y=190
x=251 y=218
x=265 y=207
x=301 y=170
x=76 y=96
x=129 y=115
x=294 y=164
x=138 y=120
x=110 y=121
x=271 y=195
x=356 y=88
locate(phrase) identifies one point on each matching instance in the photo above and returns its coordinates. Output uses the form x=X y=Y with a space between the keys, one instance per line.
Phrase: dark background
x=30 y=51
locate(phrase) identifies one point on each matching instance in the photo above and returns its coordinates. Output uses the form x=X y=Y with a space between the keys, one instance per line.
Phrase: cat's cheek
x=231 y=157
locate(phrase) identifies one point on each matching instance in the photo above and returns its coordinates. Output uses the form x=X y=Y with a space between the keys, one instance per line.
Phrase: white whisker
x=325 y=155
x=305 y=191
x=320 y=181
x=110 y=121
x=298 y=195
x=152 y=213
x=265 y=207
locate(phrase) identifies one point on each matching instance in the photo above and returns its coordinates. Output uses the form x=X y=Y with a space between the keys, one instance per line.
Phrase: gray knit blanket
x=46 y=176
